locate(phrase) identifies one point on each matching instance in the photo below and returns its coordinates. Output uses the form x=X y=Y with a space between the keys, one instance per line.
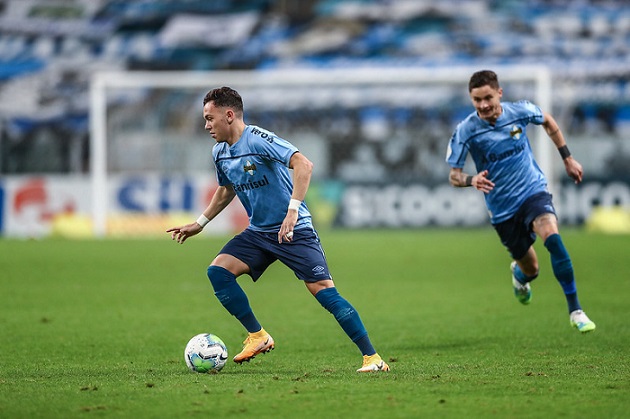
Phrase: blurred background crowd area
x=49 y=49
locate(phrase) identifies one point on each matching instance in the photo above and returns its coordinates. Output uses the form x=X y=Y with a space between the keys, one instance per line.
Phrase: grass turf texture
x=98 y=329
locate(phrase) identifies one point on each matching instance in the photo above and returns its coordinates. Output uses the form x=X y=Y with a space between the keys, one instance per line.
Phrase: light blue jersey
x=257 y=167
x=504 y=150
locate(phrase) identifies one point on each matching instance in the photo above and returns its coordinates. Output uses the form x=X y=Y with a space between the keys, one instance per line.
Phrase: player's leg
x=222 y=274
x=527 y=266
x=241 y=256
x=546 y=227
x=305 y=256
x=348 y=318
x=518 y=241
x=327 y=295
x=524 y=271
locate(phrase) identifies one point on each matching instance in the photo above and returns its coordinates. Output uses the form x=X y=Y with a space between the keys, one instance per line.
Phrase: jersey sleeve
x=275 y=148
x=532 y=112
x=456 y=151
x=222 y=180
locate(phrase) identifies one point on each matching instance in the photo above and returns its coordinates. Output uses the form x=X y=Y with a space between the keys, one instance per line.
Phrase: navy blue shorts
x=517 y=234
x=304 y=255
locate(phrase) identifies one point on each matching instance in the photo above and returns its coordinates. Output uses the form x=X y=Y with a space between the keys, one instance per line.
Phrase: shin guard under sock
x=233 y=298
x=347 y=317
x=563 y=270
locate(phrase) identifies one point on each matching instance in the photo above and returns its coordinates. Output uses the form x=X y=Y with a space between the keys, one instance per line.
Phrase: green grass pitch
x=97 y=329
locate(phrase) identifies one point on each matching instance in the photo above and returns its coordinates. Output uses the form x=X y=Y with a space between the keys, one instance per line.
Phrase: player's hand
x=286 y=230
x=481 y=182
x=181 y=233
x=574 y=169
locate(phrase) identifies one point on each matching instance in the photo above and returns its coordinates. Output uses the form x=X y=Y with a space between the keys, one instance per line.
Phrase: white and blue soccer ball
x=205 y=353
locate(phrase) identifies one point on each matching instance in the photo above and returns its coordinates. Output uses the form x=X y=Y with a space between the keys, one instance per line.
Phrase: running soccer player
x=253 y=164
x=514 y=187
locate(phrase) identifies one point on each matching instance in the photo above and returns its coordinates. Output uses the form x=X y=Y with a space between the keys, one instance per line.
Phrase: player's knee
x=220 y=278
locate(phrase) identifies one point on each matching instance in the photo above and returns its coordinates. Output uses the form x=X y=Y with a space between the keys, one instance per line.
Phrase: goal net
x=374 y=135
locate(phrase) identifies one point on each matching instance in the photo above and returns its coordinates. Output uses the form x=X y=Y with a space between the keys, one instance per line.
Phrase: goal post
x=295 y=91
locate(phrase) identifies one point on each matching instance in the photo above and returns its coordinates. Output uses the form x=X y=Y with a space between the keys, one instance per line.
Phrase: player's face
x=487 y=102
x=217 y=121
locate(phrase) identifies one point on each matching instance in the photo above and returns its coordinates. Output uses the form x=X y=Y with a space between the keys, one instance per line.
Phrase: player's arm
x=572 y=166
x=221 y=199
x=459 y=179
x=302 y=171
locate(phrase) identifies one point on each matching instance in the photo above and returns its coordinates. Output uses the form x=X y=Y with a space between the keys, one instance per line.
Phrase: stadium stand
x=49 y=49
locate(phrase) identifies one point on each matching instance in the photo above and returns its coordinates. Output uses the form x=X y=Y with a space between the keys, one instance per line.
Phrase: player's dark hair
x=483 y=78
x=224 y=97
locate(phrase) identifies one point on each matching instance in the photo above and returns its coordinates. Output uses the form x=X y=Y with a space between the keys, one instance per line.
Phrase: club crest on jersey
x=516 y=132
x=249 y=168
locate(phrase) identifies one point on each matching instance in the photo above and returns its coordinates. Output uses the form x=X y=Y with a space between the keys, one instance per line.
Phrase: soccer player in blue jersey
x=514 y=187
x=253 y=164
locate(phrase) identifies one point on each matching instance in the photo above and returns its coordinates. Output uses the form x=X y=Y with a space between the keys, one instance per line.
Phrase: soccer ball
x=205 y=353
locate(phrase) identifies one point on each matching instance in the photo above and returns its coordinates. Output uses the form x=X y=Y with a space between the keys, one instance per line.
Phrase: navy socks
x=347 y=317
x=233 y=298
x=563 y=270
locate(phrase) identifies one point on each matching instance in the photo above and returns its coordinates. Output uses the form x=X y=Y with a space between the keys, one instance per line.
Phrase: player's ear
x=229 y=115
x=500 y=92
